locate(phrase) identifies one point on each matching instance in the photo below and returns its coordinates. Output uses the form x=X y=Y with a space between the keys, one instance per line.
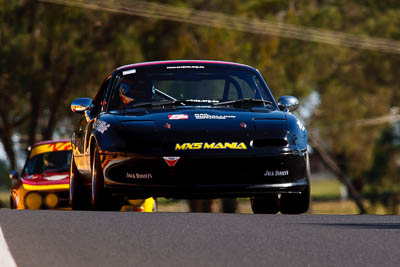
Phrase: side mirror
x=14 y=175
x=80 y=105
x=288 y=102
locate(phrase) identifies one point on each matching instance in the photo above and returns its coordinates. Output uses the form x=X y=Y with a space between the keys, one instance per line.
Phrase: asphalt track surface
x=71 y=238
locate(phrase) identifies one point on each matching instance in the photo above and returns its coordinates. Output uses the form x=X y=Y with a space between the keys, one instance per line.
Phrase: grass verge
x=4 y=198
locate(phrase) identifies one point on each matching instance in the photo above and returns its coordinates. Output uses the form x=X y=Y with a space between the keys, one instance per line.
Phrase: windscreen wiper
x=158 y=103
x=174 y=102
x=244 y=101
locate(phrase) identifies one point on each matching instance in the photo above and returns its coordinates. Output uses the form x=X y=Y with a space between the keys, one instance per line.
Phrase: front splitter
x=188 y=191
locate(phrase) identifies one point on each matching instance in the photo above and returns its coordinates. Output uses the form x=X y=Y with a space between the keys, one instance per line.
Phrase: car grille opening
x=276 y=142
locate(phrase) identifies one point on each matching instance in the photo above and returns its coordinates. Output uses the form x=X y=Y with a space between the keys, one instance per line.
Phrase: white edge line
x=6 y=258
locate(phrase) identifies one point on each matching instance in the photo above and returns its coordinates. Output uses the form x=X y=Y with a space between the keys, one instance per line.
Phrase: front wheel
x=296 y=203
x=12 y=206
x=79 y=198
x=101 y=199
x=300 y=202
x=268 y=204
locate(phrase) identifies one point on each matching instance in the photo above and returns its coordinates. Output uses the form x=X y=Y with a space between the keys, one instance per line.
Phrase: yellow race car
x=45 y=177
x=44 y=180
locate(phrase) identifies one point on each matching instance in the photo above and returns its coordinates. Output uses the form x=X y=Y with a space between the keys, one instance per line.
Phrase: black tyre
x=100 y=198
x=268 y=204
x=79 y=196
x=298 y=203
x=12 y=205
x=98 y=193
x=229 y=205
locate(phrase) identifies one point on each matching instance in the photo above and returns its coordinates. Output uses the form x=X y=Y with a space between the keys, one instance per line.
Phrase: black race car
x=189 y=129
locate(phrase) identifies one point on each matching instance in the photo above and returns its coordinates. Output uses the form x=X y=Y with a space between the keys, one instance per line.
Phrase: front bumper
x=199 y=177
x=22 y=200
x=206 y=190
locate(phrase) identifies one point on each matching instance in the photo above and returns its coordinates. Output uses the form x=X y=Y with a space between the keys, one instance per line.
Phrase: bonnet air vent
x=277 y=142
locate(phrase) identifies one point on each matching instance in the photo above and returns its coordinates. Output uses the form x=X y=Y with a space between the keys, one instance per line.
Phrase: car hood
x=166 y=129
x=47 y=178
x=197 y=117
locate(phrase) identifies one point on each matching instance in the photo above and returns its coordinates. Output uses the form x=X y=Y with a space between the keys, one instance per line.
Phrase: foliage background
x=50 y=54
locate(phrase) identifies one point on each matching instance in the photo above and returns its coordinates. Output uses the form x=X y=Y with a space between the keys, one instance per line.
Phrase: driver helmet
x=136 y=90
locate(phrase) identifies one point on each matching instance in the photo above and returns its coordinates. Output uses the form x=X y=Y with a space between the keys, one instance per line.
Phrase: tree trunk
x=55 y=105
x=35 y=92
x=6 y=140
x=35 y=100
x=333 y=166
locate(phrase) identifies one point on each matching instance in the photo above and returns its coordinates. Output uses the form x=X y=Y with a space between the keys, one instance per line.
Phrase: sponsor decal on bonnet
x=205 y=116
x=178 y=117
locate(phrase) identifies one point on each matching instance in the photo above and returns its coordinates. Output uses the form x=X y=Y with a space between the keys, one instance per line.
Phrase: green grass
x=4 y=198
x=325 y=189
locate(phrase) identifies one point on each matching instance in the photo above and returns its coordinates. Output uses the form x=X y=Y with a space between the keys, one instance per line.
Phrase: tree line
x=50 y=54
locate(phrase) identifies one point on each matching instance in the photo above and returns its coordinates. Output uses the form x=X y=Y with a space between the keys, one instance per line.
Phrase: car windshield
x=186 y=85
x=57 y=161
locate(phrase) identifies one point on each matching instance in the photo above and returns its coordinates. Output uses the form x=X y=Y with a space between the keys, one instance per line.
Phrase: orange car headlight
x=51 y=200
x=33 y=201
